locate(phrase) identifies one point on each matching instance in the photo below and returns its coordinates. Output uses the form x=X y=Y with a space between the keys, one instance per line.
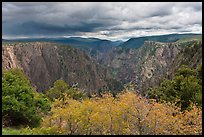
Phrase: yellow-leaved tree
x=127 y=113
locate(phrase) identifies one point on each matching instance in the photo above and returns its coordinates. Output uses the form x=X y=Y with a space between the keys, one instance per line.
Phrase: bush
x=186 y=87
x=60 y=88
x=126 y=114
x=21 y=105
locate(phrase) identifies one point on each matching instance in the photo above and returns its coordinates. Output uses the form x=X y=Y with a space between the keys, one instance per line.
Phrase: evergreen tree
x=21 y=105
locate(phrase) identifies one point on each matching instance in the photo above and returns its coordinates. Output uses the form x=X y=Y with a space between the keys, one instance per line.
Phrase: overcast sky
x=114 y=21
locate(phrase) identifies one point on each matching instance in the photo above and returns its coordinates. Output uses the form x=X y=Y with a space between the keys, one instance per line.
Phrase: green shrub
x=21 y=105
x=186 y=87
x=60 y=88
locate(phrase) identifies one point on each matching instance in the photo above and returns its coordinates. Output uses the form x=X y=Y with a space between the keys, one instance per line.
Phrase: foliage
x=186 y=87
x=60 y=88
x=113 y=87
x=21 y=105
x=128 y=113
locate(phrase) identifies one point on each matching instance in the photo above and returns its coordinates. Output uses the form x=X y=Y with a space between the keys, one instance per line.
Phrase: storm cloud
x=99 y=19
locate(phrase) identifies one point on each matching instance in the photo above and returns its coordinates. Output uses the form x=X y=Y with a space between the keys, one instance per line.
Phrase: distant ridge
x=139 y=41
x=92 y=46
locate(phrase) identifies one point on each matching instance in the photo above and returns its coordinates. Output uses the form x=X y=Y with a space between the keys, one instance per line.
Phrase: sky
x=105 y=20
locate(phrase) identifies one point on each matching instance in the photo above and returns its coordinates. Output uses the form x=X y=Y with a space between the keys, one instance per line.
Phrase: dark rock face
x=45 y=63
x=146 y=66
x=149 y=64
x=143 y=66
x=191 y=55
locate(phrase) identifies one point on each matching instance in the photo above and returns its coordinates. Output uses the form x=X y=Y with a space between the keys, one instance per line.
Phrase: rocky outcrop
x=149 y=64
x=9 y=59
x=45 y=63
x=190 y=55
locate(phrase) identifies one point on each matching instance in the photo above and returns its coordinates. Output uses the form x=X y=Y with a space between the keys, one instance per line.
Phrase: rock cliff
x=148 y=65
x=45 y=62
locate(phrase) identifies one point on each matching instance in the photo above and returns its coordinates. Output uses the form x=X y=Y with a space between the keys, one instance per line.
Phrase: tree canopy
x=185 y=87
x=21 y=105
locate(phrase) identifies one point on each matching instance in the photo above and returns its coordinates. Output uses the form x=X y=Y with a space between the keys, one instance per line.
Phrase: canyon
x=94 y=67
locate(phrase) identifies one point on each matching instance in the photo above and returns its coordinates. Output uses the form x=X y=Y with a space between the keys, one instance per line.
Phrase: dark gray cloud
x=33 y=28
x=118 y=20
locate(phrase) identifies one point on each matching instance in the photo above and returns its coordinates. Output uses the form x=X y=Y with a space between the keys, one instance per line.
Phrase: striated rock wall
x=9 y=59
x=44 y=63
x=147 y=65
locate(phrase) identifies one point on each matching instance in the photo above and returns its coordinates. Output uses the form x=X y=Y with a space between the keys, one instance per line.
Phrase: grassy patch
x=23 y=131
x=10 y=131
